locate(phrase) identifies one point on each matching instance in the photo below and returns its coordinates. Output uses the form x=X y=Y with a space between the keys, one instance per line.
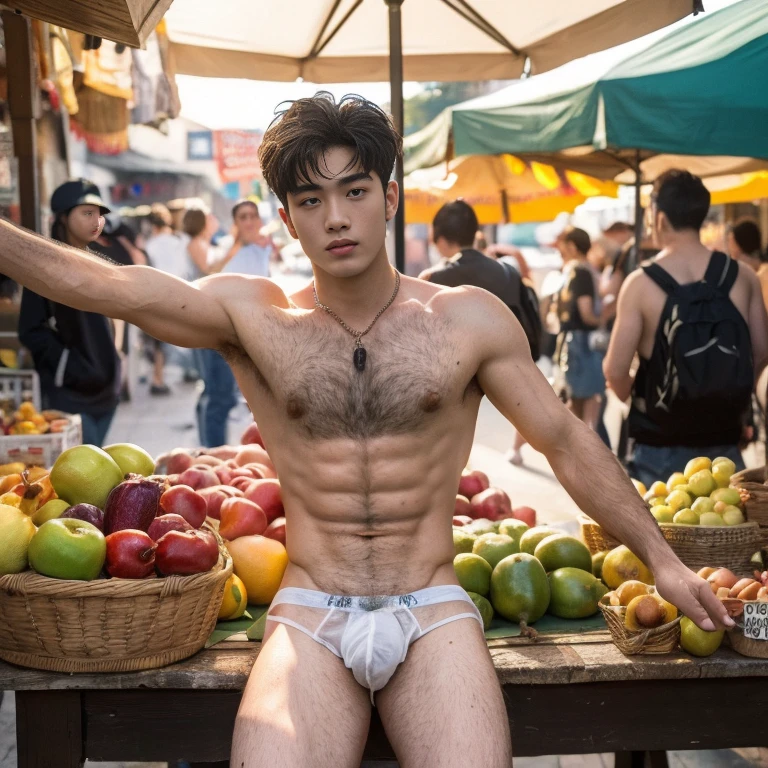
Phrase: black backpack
x=524 y=304
x=701 y=373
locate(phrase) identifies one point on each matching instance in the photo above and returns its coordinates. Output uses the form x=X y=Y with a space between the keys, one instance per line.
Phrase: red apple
x=215 y=497
x=461 y=520
x=183 y=500
x=492 y=503
x=182 y=553
x=266 y=493
x=198 y=477
x=240 y=517
x=164 y=523
x=526 y=514
x=463 y=506
x=130 y=554
x=252 y=454
x=276 y=530
x=473 y=482
x=86 y=512
x=178 y=461
x=252 y=434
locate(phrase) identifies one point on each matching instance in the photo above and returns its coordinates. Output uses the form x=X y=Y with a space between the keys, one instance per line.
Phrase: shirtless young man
x=369 y=460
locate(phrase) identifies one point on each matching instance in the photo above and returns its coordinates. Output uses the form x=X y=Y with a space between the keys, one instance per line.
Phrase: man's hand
x=692 y=596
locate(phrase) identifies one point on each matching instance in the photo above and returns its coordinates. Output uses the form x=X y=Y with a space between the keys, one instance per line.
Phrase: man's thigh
x=444 y=707
x=301 y=707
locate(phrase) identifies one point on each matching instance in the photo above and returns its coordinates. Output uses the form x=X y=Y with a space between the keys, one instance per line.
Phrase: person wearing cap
x=74 y=351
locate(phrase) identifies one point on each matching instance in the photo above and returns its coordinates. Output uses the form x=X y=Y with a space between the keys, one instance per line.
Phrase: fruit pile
x=521 y=573
x=100 y=524
x=240 y=490
x=734 y=590
x=697 y=496
x=27 y=420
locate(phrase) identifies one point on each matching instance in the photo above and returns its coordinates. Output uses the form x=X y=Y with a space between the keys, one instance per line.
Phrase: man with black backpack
x=696 y=319
x=453 y=232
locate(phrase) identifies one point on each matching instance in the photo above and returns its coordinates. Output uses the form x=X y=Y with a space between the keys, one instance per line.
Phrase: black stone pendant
x=359 y=358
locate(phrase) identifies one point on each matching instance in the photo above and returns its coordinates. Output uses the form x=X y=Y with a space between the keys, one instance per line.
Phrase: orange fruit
x=235 y=599
x=260 y=562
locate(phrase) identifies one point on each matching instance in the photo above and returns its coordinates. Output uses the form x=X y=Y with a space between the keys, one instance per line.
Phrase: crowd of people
x=80 y=356
x=603 y=325
x=682 y=339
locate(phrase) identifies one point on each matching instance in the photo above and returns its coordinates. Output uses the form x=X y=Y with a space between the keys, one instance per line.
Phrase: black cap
x=77 y=192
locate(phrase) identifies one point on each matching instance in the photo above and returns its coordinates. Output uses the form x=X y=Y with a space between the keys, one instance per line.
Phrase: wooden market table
x=566 y=694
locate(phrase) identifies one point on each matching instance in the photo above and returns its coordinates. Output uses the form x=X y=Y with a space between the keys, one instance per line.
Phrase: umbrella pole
x=396 y=99
x=638 y=215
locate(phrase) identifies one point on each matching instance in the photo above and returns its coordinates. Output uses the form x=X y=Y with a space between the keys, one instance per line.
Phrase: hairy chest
x=414 y=371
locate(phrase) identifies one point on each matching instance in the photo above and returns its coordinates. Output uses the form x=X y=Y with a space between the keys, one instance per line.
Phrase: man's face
x=248 y=222
x=341 y=220
x=84 y=224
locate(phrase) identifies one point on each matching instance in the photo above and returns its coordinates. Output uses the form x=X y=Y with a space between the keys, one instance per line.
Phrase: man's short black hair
x=683 y=198
x=746 y=233
x=457 y=223
x=295 y=142
x=579 y=238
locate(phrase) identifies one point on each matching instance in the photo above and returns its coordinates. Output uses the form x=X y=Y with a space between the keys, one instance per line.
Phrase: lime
x=494 y=547
x=473 y=572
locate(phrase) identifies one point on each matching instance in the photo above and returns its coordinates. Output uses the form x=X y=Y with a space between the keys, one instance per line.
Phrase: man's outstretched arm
x=582 y=463
x=170 y=309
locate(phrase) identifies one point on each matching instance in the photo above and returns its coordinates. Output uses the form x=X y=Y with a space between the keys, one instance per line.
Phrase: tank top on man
x=697 y=384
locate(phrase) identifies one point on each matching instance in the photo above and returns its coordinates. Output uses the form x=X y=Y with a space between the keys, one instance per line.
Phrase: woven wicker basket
x=663 y=639
x=757 y=649
x=596 y=539
x=108 y=625
x=729 y=546
x=752 y=484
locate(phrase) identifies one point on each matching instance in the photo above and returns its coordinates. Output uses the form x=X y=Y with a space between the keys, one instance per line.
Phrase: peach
x=240 y=517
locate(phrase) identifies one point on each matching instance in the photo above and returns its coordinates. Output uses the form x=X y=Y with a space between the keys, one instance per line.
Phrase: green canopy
x=700 y=89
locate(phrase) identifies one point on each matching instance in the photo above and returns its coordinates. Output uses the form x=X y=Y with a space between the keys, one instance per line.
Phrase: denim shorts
x=583 y=366
x=652 y=462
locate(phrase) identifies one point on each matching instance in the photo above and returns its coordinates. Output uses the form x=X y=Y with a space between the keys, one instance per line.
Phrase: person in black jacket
x=74 y=351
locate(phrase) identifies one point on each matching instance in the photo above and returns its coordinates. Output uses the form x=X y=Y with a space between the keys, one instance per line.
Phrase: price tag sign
x=756 y=621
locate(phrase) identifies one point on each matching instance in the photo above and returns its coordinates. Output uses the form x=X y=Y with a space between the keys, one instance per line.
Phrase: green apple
x=68 y=549
x=663 y=513
x=85 y=474
x=131 y=459
x=702 y=505
x=711 y=518
x=697 y=641
x=686 y=517
x=702 y=483
x=733 y=516
x=722 y=474
x=728 y=495
x=678 y=500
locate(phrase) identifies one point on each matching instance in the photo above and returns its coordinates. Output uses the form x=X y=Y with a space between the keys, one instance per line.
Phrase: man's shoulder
x=233 y=287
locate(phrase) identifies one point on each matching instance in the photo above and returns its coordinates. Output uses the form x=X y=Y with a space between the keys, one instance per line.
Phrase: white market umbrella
x=327 y=41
